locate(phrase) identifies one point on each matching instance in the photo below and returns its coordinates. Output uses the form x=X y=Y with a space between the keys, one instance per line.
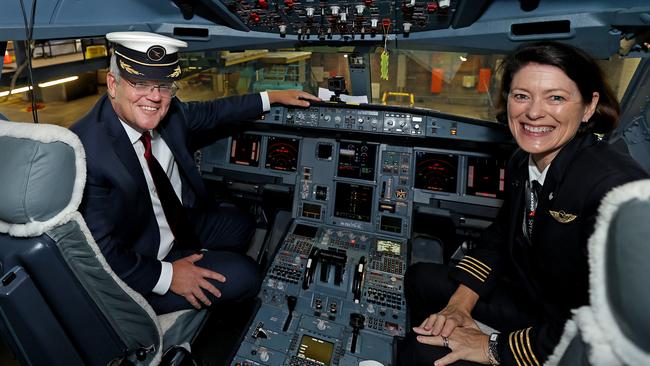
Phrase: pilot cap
x=146 y=56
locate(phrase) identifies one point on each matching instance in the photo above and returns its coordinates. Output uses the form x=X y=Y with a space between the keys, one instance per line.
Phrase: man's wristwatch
x=493 y=349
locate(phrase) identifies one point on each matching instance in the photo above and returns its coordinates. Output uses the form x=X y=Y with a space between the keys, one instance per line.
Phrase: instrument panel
x=364 y=167
x=333 y=293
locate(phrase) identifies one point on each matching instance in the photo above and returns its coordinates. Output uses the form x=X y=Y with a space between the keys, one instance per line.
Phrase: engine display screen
x=316 y=350
x=389 y=246
x=245 y=150
x=353 y=201
x=357 y=160
x=282 y=154
x=486 y=177
x=436 y=172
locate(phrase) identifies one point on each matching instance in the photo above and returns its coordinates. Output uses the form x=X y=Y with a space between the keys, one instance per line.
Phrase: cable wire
x=29 y=32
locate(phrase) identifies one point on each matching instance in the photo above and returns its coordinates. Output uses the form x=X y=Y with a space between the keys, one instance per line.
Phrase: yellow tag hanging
x=383 y=69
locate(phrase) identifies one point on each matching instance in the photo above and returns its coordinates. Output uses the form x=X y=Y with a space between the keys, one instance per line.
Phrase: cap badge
x=176 y=73
x=128 y=68
x=562 y=217
x=156 y=53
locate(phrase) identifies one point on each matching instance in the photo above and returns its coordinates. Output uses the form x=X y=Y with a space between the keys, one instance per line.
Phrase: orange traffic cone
x=7 y=59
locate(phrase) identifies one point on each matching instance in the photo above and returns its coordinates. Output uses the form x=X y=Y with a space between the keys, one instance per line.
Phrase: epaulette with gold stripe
x=521 y=349
x=474 y=267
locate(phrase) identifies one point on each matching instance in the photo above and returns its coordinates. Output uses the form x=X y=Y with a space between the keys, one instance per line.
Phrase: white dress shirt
x=534 y=173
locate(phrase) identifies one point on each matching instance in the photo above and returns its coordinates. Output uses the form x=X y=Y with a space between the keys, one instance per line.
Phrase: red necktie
x=172 y=206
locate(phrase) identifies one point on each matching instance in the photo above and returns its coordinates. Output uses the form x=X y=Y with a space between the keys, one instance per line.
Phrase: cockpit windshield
x=456 y=83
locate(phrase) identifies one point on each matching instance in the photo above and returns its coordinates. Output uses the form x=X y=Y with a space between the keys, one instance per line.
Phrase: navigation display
x=357 y=160
x=436 y=171
x=316 y=350
x=282 y=153
x=486 y=177
x=245 y=150
x=353 y=201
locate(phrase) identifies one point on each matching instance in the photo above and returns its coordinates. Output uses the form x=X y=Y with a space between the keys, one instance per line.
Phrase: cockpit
x=402 y=161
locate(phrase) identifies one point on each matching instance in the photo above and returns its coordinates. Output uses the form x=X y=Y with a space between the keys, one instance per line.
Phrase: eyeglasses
x=166 y=90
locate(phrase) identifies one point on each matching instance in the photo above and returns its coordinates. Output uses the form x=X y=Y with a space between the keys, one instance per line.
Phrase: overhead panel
x=360 y=19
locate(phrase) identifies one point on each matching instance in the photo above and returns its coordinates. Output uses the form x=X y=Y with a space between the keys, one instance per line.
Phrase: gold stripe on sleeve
x=471 y=271
x=476 y=266
x=523 y=347
x=512 y=349
x=518 y=348
x=479 y=262
x=531 y=348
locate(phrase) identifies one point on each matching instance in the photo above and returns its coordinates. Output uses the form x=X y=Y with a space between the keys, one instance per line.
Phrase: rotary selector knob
x=264 y=355
x=390 y=122
x=321 y=324
x=416 y=126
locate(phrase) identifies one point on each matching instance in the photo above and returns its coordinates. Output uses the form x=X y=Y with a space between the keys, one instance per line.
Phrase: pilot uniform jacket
x=551 y=268
x=116 y=204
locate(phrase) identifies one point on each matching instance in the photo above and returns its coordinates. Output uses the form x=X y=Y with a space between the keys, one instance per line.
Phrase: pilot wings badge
x=562 y=217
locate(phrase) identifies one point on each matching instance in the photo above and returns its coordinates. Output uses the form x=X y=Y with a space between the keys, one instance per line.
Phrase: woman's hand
x=466 y=343
x=457 y=313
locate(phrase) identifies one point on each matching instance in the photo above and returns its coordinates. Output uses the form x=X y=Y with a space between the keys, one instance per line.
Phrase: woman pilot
x=530 y=267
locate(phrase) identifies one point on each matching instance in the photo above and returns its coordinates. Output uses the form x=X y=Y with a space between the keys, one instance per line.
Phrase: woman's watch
x=493 y=349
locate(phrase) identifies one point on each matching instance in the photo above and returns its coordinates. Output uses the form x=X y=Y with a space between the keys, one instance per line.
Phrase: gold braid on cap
x=175 y=73
x=128 y=68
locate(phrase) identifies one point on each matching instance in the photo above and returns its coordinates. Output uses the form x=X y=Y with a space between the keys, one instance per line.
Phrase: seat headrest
x=42 y=175
x=618 y=259
x=626 y=264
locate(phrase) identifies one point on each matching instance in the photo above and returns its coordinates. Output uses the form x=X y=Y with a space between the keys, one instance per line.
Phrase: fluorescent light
x=16 y=91
x=59 y=81
x=42 y=85
x=463 y=58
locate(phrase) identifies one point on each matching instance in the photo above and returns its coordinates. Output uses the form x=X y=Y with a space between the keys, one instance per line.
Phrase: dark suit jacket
x=116 y=204
x=552 y=268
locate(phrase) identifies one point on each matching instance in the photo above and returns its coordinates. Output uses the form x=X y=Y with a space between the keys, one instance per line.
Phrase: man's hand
x=291 y=97
x=189 y=281
x=466 y=343
x=457 y=313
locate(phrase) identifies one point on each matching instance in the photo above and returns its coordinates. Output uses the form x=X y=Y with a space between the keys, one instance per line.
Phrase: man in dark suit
x=144 y=200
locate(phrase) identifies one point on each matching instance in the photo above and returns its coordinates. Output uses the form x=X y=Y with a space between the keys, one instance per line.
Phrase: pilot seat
x=60 y=302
